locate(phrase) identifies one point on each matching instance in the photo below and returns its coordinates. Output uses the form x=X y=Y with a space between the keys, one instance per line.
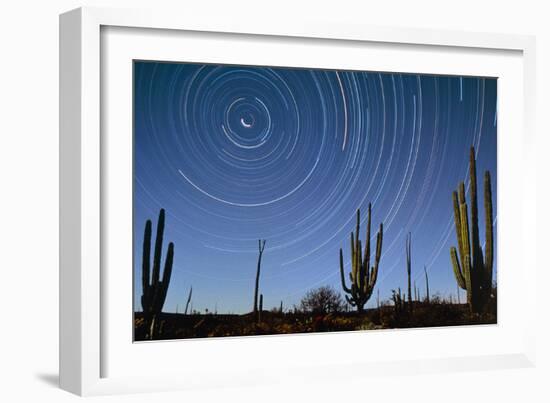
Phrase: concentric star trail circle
x=236 y=153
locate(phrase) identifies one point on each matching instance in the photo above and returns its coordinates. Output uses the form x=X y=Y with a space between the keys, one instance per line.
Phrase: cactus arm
x=468 y=281
x=366 y=262
x=465 y=237
x=475 y=253
x=357 y=253
x=353 y=259
x=456 y=269
x=374 y=272
x=158 y=248
x=357 y=224
x=168 y=265
x=458 y=223
x=379 y=244
x=464 y=240
x=166 y=275
x=344 y=286
x=361 y=277
x=146 y=264
x=488 y=228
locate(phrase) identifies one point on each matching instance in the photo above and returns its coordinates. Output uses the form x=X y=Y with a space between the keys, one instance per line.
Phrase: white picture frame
x=90 y=345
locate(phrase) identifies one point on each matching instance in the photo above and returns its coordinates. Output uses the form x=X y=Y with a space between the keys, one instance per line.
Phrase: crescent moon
x=247 y=125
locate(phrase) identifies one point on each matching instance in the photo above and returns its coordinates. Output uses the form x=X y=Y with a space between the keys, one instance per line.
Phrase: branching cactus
x=363 y=276
x=154 y=289
x=473 y=271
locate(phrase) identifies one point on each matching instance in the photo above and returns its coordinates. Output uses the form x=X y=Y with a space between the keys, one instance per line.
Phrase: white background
x=29 y=201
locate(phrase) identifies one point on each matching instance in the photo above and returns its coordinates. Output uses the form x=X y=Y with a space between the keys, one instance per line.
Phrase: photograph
x=274 y=200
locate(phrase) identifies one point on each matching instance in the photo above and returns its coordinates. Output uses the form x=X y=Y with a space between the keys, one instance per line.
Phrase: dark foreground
x=179 y=326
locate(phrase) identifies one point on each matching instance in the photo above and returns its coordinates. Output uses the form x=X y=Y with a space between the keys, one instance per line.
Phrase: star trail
x=239 y=153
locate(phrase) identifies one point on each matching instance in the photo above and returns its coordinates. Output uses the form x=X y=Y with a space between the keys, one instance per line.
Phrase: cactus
x=154 y=290
x=261 y=247
x=188 y=299
x=399 y=304
x=362 y=276
x=473 y=273
x=427 y=285
x=408 y=254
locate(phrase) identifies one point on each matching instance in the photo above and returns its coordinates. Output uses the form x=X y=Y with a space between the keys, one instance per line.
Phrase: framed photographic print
x=225 y=154
x=253 y=194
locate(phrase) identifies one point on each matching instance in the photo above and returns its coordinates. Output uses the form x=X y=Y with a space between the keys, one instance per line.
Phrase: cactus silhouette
x=188 y=300
x=399 y=304
x=362 y=276
x=154 y=289
x=261 y=247
x=473 y=272
x=408 y=255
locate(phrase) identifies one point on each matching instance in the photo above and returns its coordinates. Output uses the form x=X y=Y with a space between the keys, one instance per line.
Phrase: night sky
x=238 y=153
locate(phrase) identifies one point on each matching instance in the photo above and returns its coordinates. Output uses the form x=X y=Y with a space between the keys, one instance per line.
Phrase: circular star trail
x=235 y=154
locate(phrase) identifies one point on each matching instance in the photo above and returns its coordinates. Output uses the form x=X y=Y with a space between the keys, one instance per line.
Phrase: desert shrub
x=322 y=300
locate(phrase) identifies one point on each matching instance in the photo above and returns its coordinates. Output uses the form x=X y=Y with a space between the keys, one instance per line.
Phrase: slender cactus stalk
x=261 y=247
x=363 y=276
x=188 y=299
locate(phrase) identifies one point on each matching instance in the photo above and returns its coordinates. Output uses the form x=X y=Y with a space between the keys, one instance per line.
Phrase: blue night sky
x=238 y=153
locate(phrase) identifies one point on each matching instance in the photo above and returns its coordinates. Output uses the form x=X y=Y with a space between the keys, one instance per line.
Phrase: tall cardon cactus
x=363 y=276
x=473 y=271
x=154 y=289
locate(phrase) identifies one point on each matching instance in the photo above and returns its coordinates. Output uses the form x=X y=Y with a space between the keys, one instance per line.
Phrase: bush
x=322 y=300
